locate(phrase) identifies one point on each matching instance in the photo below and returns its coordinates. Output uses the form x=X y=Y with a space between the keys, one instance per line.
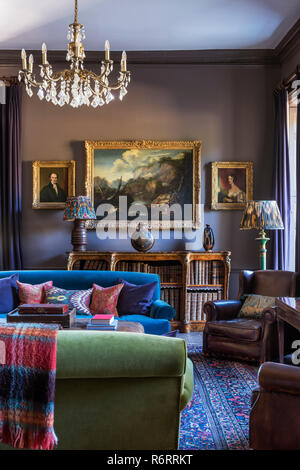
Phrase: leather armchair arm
x=269 y=315
x=273 y=377
x=222 y=309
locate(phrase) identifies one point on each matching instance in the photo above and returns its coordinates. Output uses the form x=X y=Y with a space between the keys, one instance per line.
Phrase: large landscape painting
x=153 y=173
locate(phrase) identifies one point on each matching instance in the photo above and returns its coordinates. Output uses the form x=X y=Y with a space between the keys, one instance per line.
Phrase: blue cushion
x=151 y=326
x=135 y=299
x=9 y=298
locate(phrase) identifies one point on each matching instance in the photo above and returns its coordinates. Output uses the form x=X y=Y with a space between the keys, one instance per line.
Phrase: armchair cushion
x=254 y=306
x=237 y=329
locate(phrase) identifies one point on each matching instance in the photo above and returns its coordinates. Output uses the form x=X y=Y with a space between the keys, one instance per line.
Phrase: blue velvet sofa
x=156 y=322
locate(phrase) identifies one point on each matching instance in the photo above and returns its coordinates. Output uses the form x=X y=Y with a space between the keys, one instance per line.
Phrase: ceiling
x=149 y=25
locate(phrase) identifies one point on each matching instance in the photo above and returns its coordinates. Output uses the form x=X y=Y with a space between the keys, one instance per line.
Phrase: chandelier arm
x=56 y=75
x=32 y=82
x=96 y=77
x=108 y=87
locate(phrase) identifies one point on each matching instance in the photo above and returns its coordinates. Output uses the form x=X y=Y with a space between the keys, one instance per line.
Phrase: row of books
x=167 y=272
x=103 y=323
x=196 y=300
x=173 y=297
x=205 y=272
x=95 y=265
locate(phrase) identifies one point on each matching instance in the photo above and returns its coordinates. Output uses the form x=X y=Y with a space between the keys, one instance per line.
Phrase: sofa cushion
x=254 y=306
x=104 y=300
x=9 y=293
x=33 y=293
x=237 y=329
x=157 y=326
x=79 y=299
x=134 y=299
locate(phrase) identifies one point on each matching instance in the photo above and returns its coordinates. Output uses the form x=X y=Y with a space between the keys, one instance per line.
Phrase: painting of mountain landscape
x=147 y=176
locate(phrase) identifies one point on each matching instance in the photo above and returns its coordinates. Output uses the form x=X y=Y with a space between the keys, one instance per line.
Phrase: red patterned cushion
x=33 y=294
x=105 y=299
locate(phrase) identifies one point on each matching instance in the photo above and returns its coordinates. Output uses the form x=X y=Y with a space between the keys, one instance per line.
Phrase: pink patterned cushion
x=33 y=294
x=105 y=299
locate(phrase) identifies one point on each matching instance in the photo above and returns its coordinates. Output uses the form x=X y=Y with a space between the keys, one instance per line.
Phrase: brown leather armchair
x=247 y=339
x=275 y=409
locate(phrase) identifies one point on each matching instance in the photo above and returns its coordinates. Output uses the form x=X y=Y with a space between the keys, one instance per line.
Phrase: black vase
x=208 y=238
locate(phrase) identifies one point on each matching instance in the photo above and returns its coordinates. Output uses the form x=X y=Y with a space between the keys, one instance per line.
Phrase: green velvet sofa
x=120 y=391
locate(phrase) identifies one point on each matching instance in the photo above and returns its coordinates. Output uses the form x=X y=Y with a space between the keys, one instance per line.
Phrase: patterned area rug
x=217 y=418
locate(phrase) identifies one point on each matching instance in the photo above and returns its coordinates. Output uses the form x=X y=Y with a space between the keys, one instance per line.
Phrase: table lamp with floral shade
x=262 y=215
x=79 y=209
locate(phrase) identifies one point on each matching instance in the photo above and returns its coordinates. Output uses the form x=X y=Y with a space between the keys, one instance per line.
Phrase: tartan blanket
x=27 y=385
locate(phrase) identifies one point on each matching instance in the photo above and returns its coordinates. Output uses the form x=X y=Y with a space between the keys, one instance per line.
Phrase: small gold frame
x=36 y=167
x=218 y=202
x=194 y=145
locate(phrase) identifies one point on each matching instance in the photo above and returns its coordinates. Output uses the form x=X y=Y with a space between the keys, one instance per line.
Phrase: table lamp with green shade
x=262 y=215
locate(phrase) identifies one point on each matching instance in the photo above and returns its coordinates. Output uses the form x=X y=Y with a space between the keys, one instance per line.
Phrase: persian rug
x=217 y=418
x=27 y=385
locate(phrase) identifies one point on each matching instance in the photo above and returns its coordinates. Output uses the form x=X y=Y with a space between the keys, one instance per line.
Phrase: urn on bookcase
x=208 y=238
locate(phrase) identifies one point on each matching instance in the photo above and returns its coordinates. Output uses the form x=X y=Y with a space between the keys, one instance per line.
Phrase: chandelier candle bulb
x=24 y=59
x=44 y=54
x=123 y=62
x=30 y=63
x=106 y=50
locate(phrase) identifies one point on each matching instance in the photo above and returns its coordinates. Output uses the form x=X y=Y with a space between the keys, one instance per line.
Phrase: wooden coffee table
x=127 y=326
x=288 y=310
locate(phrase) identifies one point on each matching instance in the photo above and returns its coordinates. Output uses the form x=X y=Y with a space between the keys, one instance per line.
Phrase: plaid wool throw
x=27 y=385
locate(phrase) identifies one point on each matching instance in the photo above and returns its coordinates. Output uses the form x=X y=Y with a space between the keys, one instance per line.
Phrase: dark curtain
x=298 y=186
x=10 y=175
x=281 y=181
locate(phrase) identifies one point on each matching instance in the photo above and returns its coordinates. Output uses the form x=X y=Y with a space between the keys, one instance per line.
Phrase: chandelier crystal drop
x=75 y=86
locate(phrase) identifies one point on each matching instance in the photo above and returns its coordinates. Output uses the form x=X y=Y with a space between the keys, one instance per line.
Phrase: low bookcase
x=188 y=278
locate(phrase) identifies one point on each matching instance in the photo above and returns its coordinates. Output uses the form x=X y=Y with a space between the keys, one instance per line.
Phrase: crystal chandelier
x=75 y=86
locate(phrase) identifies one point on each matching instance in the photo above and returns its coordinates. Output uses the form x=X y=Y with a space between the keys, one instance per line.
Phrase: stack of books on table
x=103 y=323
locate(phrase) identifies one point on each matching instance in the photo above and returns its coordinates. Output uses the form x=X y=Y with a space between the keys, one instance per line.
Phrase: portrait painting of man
x=55 y=190
x=53 y=183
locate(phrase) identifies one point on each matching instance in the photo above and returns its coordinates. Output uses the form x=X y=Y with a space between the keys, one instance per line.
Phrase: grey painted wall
x=229 y=108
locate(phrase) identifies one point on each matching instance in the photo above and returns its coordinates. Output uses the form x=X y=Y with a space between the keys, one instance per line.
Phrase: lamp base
x=79 y=236
x=262 y=239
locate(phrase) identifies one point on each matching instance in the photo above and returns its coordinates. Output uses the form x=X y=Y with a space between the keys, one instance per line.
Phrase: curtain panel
x=297 y=264
x=11 y=179
x=281 y=181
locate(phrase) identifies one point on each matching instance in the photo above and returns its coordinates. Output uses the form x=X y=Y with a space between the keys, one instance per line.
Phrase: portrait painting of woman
x=232 y=184
x=232 y=187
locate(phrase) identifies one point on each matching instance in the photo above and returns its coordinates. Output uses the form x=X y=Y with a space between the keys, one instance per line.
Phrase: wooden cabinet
x=188 y=278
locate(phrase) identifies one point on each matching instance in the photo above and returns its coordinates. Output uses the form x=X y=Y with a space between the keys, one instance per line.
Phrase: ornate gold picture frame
x=146 y=171
x=53 y=182
x=231 y=185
